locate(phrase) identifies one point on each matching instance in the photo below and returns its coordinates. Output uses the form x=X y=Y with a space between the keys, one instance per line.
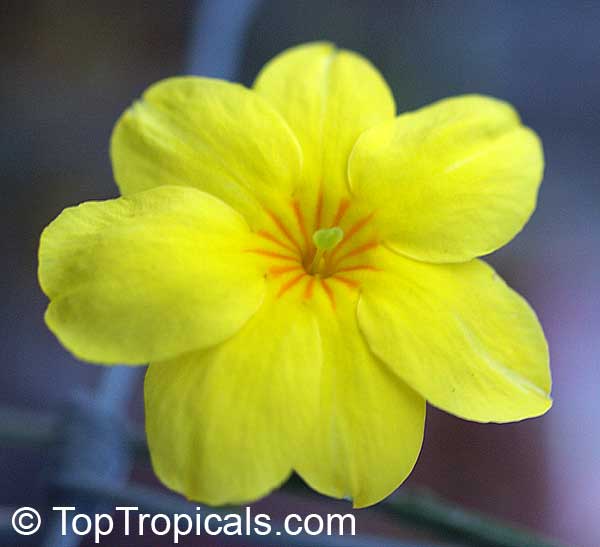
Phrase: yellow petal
x=328 y=97
x=216 y=136
x=148 y=276
x=370 y=430
x=459 y=336
x=452 y=181
x=224 y=424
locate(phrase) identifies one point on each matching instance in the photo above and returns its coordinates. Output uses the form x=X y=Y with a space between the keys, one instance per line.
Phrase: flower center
x=325 y=240
x=335 y=257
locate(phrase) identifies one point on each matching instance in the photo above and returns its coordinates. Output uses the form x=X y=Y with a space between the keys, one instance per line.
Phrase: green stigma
x=325 y=240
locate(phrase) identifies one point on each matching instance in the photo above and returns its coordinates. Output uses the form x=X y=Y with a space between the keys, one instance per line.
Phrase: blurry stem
x=117 y=384
x=426 y=510
x=423 y=510
x=217 y=37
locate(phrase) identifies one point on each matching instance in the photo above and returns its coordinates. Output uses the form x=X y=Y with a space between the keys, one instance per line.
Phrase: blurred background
x=68 y=69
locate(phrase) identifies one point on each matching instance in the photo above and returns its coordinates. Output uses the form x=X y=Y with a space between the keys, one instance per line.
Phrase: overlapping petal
x=459 y=336
x=296 y=388
x=370 y=429
x=328 y=97
x=213 y=135
x=225 y=424
x=148 y=276
x=452 y=181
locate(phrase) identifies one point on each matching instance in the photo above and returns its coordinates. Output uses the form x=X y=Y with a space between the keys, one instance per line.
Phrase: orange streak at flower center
x=295 y=261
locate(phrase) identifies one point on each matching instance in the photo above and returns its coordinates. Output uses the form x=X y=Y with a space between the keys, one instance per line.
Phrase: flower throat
x=325 y=240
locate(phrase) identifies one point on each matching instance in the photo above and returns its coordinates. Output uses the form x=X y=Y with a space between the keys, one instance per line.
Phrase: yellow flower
x=298 y=266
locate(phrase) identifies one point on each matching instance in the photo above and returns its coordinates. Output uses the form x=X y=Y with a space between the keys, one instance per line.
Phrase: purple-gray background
x=69 y=68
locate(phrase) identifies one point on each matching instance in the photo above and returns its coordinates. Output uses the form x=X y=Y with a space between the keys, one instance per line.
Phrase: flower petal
x=213 y=135
x=370 y=430
x=328 y=97
x=452 y=181
x=459 y=336
x=224 y=424
x=148 y=276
